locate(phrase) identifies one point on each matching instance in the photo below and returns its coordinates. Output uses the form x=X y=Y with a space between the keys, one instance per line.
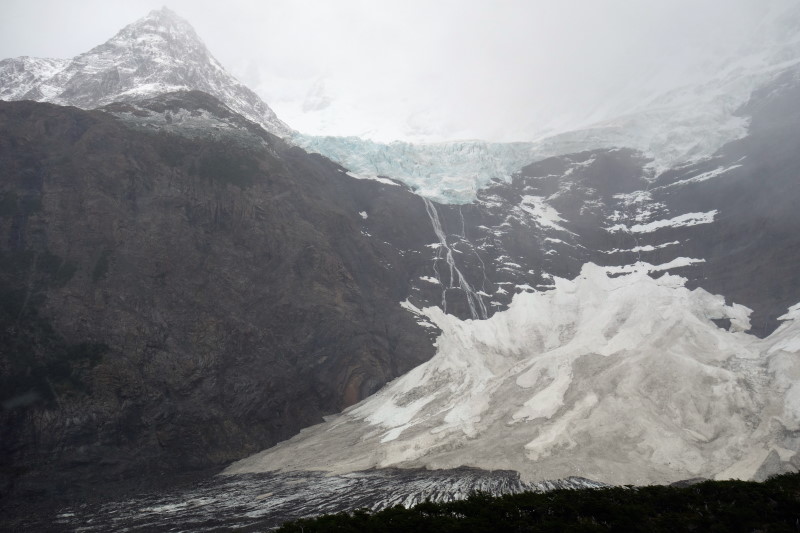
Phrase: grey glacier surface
x=265 y=501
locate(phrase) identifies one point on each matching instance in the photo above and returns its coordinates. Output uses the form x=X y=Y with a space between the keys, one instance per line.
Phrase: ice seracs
x=620 y=380
x=449 y=172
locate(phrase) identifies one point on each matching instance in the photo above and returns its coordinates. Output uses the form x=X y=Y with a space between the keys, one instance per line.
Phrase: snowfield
x=621 y=380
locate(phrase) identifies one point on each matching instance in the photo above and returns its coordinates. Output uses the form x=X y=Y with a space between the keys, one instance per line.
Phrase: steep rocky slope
x=175 y=298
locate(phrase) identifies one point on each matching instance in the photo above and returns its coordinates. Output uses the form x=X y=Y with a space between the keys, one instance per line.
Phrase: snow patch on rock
x=687 y=219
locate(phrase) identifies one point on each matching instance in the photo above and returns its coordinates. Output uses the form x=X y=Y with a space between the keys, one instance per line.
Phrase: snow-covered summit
x=157 y=54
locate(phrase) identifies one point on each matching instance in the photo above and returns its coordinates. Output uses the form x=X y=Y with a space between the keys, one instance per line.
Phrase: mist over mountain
x=186 y=288
x=671 y=118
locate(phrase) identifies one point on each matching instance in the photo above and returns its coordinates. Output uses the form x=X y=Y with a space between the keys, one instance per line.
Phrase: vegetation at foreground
x=772 y=506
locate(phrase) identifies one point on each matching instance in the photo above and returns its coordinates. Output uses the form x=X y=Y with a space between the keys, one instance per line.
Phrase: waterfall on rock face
x=476 y=306
x=477 y=255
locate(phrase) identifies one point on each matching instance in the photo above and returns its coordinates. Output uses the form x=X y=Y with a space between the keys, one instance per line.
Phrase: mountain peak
x=164 y=15
x=165 y=26
x=163 y=12
x=157 y=54
x=167 y=19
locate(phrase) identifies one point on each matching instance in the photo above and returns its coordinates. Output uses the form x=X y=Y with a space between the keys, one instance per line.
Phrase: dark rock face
x=174 y=302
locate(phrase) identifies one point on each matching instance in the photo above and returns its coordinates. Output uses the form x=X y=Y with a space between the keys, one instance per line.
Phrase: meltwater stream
x=477 y=308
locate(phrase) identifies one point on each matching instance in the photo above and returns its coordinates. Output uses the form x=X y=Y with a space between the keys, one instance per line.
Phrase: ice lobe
x=620 y=380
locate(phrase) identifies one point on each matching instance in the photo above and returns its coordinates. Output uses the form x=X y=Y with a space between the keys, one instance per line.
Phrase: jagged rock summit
x=157 y=54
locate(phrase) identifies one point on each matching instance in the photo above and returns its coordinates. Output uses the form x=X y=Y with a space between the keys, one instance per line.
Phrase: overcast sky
x=424 y=69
